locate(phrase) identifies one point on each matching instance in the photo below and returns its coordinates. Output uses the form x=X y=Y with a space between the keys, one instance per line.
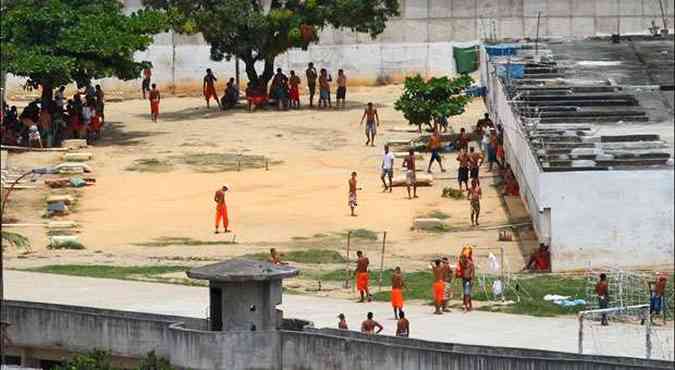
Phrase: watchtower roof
x=236 y=270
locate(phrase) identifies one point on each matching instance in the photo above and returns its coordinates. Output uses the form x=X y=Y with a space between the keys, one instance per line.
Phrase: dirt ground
x=304 y=195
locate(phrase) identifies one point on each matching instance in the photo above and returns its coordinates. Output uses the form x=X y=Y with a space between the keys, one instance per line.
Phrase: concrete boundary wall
x=61 y=330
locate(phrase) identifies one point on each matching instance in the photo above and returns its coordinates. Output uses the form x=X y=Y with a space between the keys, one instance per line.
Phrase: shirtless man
x=324 y=89
x=438 y=287
x=462 y=140
x=447 y=278
x=475 y=161
x=463 y=170
x=397 y=286
x=311 y=82
x=369 y=325
x=468 y=272
x=209 y=87
x=435 y=147
x=402 y=326
x=341 y=93
x=154 y=98
x=475 y=193
x=352 y=193
x=372 y=122
x=410 y=176
x=362 y=277
x=342 y=324
x=275 y=257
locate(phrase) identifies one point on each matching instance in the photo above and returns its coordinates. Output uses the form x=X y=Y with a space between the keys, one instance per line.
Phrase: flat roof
x=594 y=104
x=240 y=270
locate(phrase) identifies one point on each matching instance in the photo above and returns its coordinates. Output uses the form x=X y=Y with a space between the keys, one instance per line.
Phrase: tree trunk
x=259 y=81
x=47 y=93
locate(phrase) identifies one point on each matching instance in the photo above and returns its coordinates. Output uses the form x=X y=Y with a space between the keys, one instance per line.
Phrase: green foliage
x=364 y=234
x=243 y=28
x=60 y=41
x=14 y=239
x=102 y=360
x=453 y=193
x=440 y=97
x=108 y=272
x=309 y=256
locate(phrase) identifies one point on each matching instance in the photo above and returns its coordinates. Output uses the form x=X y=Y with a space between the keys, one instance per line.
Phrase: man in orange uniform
x=362 y=276
x=154 y=103
x=209 y=87
x=397 y=285
x=221 y=209
x=438 y=287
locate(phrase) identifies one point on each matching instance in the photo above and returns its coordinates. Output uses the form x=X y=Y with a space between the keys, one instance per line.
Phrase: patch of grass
x=364 y=234
x=108 y=272
x=223 y=162
x=150 y=165
x=15 y=239
x=68 y=244
x=309 y=256
x=437 y=214
x=452 y=193
x=166 y=241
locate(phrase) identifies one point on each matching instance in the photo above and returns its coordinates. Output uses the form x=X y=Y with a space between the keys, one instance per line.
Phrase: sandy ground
x=482 y=328
x=304 y=195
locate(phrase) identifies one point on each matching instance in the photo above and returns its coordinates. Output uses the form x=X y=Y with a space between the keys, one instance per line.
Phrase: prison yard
x=350 y=185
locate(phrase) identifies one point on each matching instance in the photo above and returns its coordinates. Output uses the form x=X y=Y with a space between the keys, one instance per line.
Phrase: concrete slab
x=488 y=8
x=560 y=26
x=511 y=8
x=415 y=31
x=630 y=7
x=441 y=30
x=465 y=29
x=481 y=328
x=532 y=7
x=606 y=25
x=558 y=8
x=582 y=26
x=415 y=10
x=511 y=27
x=582 y=7
x=606 y=7
x=441 y=8
x=464 y=8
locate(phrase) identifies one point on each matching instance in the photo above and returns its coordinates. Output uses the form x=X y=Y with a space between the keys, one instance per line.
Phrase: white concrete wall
x=610 y=218
x=419 y=41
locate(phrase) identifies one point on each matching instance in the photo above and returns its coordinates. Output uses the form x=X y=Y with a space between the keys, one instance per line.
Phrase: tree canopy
x=259 y=30
x=54 y=42
x=423 y=101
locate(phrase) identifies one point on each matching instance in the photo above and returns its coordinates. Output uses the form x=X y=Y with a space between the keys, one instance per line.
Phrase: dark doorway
x=216 y=310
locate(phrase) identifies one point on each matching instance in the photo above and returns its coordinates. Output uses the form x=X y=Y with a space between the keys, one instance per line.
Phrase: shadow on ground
x=114 y=134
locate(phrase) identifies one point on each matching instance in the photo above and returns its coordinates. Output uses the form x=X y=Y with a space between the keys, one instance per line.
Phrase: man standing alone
x=602 y=291
x=221 y=209
x=362 y=277
x=387 y=168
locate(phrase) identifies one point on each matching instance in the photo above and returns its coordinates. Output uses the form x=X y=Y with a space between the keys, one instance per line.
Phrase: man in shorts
x=475 y=194
x=468 y=272
x=324 y=89
x=435 y=147
x=209 y=88
x=387 y=168
x=145 y=86
x=463 y=170
x=372 y=122
x=341 y=93
x=311 y=82
x=410 y=177
x=352 y=193
x=447 y=278
x=475 y=161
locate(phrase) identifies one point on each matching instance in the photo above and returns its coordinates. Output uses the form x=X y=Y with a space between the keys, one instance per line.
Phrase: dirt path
x=303 y=195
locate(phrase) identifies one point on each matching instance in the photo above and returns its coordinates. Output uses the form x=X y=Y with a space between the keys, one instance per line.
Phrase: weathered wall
x=334 y=350
x=419 y=41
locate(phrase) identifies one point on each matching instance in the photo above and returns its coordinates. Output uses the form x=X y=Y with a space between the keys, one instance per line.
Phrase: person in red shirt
x=602 y=291
x=221 y=209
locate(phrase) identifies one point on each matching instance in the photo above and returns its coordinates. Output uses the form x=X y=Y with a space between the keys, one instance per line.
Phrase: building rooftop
x=238 y=270
x=594 y=104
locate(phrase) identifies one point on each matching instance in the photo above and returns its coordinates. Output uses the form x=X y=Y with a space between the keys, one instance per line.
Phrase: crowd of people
x=46 y=122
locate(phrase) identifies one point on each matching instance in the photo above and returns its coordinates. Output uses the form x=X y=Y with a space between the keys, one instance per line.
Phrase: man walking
x=397 y=285
x=362 y=277
x=435 y=147
x=209 y=88
x=353 y=203
x=474 y=196
x=410 y=176
x=387 y=168
x=372 y=122
x=221 y=209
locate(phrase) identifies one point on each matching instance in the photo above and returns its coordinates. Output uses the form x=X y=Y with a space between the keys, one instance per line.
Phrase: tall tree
x=55 y=42
x=422 y=101
x=260 y=30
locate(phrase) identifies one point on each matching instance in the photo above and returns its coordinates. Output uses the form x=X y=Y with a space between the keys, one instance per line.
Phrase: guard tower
x=244 y=294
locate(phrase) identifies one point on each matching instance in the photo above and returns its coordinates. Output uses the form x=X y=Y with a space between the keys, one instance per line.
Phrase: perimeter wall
x=419 y=41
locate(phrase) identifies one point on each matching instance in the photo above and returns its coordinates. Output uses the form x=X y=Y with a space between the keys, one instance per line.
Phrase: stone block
x=488 y=8
x=633 y=25
x=606 y=25
x=415 y=31
x=415 y=9
x=57 y=225
x=558 y=8
x=65 y=199
x=441 y=31
x=605 y=8
x=428 y=223
x=463 y=9
x=441 y=8
x=630 y=7
x=582 y=7
x=583 y=26
x=511 y=8
x=511 y=28
x=77 y=157
x=74 y=144
x=532 y=7
x=531 y=28
x=560 y=26
x=465 y=29
x=651 y=8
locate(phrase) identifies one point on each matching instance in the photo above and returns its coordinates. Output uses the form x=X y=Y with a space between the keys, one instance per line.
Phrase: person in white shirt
x=387 y=168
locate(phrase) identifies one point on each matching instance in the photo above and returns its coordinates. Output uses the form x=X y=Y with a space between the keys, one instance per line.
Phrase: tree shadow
x=194 y=113
x=113 y=134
